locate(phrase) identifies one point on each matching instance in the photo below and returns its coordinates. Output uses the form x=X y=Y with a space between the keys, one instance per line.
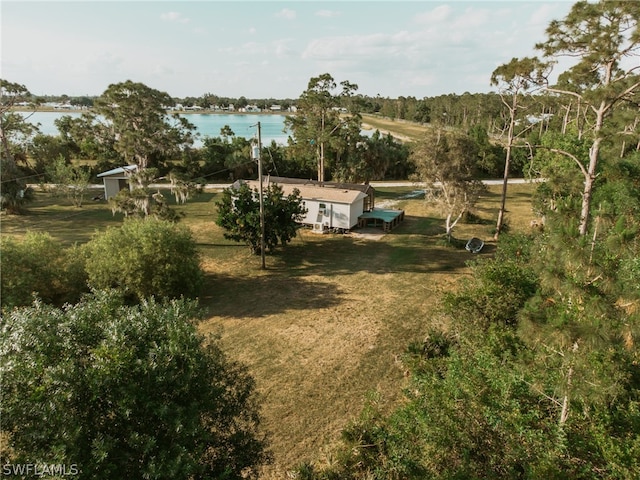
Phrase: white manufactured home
x=328 y=208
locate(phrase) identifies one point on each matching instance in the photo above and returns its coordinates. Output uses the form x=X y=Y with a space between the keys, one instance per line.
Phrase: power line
x=20 y=178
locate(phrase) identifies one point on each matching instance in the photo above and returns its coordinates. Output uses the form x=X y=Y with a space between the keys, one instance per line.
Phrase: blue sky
x=262 y=49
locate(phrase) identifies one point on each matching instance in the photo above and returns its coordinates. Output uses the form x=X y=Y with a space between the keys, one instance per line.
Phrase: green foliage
x=125 y=392
x=144 y=258
x=469 y=418
x=141 y=203
x=145 y=134
x=45 y=149
x=448 y=110
x=280 y=161
x=446 y=162
x=89 y=138
x=69 y=180
x=228 y=157
x=16 y=134
x=140 y=132
x=14 y=192
x=239 y=215
x=183 y=187
x=320 y=132
x=535 y=377
x=558 y=160
x=600 y=36
x=499 y=287
x=39 y=265
x=374 y=158
x=214 y=152
x=491 y=157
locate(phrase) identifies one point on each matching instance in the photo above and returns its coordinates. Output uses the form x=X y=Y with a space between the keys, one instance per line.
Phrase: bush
x=39 y=265
x=143 y=258
x=499 y=288
x=125 y=392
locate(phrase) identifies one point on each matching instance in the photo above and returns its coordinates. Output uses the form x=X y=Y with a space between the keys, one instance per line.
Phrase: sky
x=268 y=49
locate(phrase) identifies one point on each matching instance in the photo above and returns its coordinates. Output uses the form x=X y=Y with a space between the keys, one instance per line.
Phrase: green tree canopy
x=534 y=376
x=125 y=392
x=514 y=79
x=446 y=162
x=239 y=215
x=39 y=265
x=145 y=135
x=602 y=37
x=138 y=117
x=15 y=136
x=69 y=180
x=325 y=122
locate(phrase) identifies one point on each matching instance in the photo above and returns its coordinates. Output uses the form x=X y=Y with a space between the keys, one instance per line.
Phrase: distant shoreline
x=181 y=112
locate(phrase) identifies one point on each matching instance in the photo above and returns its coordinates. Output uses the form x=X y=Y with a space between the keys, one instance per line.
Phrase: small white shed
x=116 y=180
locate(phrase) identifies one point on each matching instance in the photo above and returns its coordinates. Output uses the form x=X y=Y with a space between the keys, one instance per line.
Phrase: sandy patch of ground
x=367 y=233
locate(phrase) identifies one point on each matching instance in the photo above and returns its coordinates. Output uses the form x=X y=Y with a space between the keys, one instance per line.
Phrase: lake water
x=207 y=125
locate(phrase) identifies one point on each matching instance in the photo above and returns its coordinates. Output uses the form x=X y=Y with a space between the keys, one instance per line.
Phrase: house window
x=322 y=209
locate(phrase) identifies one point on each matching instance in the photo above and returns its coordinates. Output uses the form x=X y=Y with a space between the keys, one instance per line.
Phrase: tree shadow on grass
x=65 y=223
x=251 y=296
x=416 y=225
x=350 y=255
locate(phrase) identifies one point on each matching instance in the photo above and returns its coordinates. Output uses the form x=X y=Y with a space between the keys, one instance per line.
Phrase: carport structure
x=387 y=218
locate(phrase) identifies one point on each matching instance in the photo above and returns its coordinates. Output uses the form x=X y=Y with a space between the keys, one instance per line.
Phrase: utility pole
x=257 y=155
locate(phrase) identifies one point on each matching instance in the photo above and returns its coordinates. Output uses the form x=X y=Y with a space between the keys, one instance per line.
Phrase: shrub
x=143 y=258
x=39 y=265
x=125 y=392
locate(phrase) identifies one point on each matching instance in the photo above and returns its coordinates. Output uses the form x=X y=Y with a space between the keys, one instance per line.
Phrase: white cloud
x=541 y=17
x=252 y=48
x=438 y=15
x=471 y=18
x=350 y=47
x=287 y=14
x=404 y=48
x=327 y=13
x=163 y=70
x=174 y=17
x=282 y=48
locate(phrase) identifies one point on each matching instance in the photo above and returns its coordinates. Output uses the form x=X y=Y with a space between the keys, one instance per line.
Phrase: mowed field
x=401 y=129
x=326 y=324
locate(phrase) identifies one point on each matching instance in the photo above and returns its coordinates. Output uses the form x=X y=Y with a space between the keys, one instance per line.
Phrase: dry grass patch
x=328 y=322
x=330 y=318
x=401 y=129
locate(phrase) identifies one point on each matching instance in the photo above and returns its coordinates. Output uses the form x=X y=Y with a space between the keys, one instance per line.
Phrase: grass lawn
x=402 y=129
x=328 y=320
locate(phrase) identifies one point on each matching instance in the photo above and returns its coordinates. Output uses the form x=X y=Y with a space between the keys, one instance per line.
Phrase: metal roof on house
x=126 y=169
x=314 y=192
x=363 y=187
